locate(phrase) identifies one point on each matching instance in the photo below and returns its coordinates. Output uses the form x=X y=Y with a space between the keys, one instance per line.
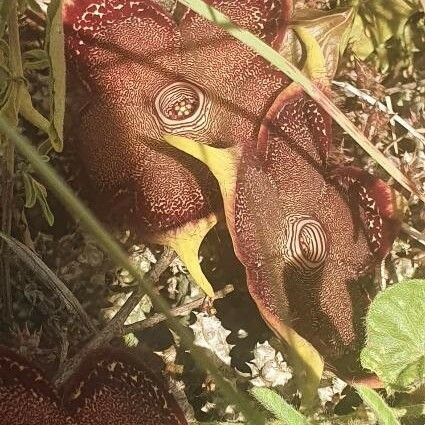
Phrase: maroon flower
x=145 y=72
x=304 y=232
x=111 y=386
x=26 y=397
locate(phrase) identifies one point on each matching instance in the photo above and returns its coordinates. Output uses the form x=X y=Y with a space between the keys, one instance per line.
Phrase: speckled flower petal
x=376 y=200
x=239 y=83
x=125 y=52
x=26 y=397
x=126 y=58
x=113 y=387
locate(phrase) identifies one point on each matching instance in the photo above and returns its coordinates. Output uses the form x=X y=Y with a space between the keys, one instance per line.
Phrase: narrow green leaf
x=395 y=325
x=30 y=195
x=27 y=110
x=55 y=51
x=382 y=411
x=41 y=195
x=44 y=149
x=276 y=405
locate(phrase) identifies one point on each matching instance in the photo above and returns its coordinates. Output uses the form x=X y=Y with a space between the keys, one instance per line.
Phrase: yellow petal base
x=221 y=162
x=186 y=241
x=306 y=361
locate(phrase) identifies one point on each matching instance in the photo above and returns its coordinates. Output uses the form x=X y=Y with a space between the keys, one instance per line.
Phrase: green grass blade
x=56 y=53
x=384 y=414
x=276 y=405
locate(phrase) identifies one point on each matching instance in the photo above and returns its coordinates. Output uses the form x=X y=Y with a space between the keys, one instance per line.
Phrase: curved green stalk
x=27 y=110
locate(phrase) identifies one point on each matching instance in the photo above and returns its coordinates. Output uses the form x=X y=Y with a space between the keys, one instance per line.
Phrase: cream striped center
x=182 y=107
x=305 y=243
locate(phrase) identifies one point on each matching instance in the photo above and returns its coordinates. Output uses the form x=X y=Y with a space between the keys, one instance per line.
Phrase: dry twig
x=114 y=326
x=375 y=102
x=42 y=272
x=177 y=311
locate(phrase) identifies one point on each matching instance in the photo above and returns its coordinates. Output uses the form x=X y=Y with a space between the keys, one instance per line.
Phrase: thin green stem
x=10 y=112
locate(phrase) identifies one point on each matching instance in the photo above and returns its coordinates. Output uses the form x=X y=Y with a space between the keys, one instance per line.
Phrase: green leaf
x=276 y=405
x=382 y=411
x=395 y=348
x=378 y=21
x=44 y=149
x=41 y=195
x=30 y=194
x=55 y=51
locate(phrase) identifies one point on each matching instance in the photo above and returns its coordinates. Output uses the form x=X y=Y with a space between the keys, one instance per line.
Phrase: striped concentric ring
x=305 y=243
x=182 y=107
